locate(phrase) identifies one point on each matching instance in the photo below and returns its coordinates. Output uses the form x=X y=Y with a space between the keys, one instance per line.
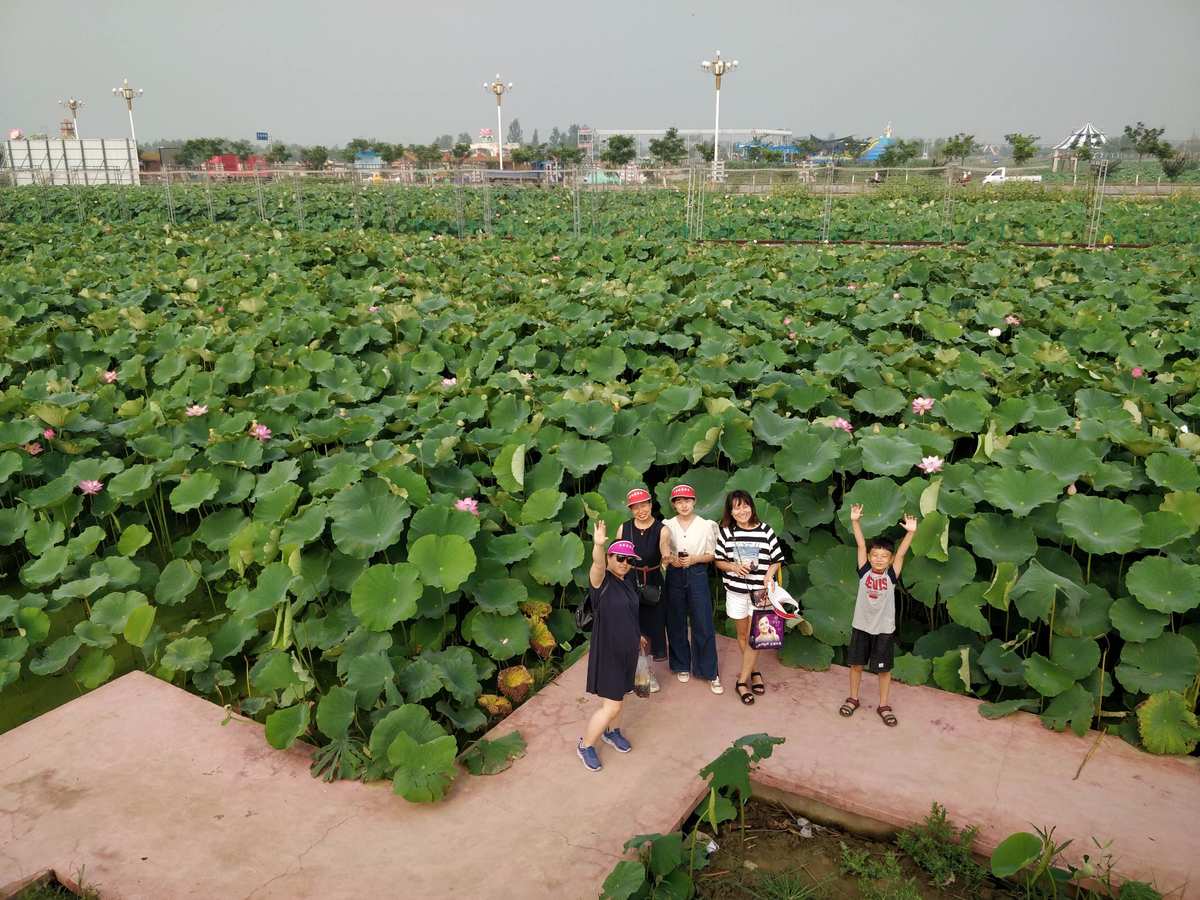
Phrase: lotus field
x=342 y=481
x=915 y=212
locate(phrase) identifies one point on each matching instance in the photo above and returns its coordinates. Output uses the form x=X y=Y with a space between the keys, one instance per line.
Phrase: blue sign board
x=260 y=136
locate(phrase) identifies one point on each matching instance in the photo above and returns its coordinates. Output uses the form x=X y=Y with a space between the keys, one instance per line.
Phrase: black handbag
x=649 y=594
x=584 y=614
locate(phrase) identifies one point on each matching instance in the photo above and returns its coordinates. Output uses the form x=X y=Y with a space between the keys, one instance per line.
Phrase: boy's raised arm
x=855 y=516
x=910 y=529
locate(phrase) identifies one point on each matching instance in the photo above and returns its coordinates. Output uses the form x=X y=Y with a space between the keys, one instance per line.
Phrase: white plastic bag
x=641 y=678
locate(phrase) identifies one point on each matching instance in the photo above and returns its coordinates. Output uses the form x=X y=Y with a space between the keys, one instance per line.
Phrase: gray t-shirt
x=875 y=606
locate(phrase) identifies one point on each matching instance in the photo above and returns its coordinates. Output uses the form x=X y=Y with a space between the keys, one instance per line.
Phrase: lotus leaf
x=808 y=456
x=1165 y=663
x=1004 y=708
x=440 y=519
x=94 y=668
x=386 y=594
x=541 y=505
x=133 y=538
x=45 y=569
x=964 y=608
x=178 y=579
x=284 y=726
x=1173 y=471
x=491 y=757
x=882 y=503
x=1018 y=491
x=112 y=610
x=1001 y=540
x=188 y=654
x=138 y=625
x=194 y=490
x=423 y=771
x=503 y=637
x=555 y=557
x=443 y=560
x=1014 y=853
x=1099 y=525
x=1164 y=585
x=911 y=669
x=367 y=518
x=55 y=656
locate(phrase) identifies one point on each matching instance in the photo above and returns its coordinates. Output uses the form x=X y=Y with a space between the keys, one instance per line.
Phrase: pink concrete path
x=139 y=785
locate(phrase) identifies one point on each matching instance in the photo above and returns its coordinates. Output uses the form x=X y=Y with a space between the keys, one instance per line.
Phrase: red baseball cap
x=683 y=491
x=637 y=495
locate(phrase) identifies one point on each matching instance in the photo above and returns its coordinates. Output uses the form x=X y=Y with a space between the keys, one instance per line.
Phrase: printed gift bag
x=766 y=630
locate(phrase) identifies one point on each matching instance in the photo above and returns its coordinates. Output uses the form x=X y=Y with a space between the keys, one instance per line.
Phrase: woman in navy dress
x=616 y=641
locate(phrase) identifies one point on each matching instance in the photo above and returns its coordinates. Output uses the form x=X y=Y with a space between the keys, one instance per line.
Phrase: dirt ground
x=780 y=864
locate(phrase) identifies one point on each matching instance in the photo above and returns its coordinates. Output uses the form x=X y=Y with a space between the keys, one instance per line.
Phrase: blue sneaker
x=615 y=739
x=589 y=757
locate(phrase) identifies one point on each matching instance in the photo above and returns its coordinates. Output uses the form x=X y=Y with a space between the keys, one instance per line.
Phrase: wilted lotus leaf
x=540 y=638
x=490 y=757
x=1167 y=723
x=515 y=683
x=495 y=706
x=536 y=609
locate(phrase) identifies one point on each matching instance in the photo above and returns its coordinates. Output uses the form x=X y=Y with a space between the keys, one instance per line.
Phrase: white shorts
x=737 y=606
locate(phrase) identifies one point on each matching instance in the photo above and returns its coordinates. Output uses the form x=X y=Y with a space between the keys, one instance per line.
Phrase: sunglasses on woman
x=628 y=560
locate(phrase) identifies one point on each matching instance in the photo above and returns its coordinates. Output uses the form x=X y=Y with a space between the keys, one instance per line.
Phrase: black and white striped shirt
x=742 y=544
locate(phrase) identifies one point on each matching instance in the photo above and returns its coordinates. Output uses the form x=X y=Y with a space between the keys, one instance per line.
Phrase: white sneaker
x=715 y=685
x=654 y=686
x=684 y=677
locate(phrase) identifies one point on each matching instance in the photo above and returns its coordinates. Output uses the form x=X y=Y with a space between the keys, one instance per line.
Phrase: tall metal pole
x=499 y=88
x=718 y=67
x=126 y=93
x=73 y=105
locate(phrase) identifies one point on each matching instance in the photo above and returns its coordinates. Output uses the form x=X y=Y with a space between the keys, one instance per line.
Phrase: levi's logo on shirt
x=874 y=584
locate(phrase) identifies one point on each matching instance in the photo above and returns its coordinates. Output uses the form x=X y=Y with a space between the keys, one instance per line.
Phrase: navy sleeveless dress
x=612 y=659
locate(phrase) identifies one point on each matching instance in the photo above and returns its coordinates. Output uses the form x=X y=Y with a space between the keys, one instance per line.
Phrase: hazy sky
x=323 y=72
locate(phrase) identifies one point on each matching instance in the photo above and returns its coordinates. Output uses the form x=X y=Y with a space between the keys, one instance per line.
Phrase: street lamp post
x=74 y=106
x=126 y=93
x=718 y=67
x=499 y=88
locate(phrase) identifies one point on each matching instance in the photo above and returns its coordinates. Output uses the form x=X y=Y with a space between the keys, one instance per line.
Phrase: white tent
x=1087 y=136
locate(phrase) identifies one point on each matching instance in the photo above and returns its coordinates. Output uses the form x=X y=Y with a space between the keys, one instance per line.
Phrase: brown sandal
x=889 y=718
x=849 y=707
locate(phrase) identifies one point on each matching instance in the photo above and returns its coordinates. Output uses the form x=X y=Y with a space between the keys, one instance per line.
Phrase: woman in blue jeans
x=693 y=539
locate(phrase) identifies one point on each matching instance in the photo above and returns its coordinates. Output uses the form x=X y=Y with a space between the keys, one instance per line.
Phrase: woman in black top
x=653 y=543
x=616 y=640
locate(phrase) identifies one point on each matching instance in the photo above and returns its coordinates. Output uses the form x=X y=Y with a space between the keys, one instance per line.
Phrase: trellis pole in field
x=1096 y=200
x=208 y=196
x=947 y=229
x=575 y=201
x=460 y=212
x=258 y=195
x=169 y=197
x=827 y=209
x=299 y=197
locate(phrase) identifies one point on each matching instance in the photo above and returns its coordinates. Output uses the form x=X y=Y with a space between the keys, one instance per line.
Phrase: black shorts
x=875 y=652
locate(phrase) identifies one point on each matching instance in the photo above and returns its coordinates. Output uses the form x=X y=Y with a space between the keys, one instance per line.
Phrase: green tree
x=705 y=151
x=1144 y=140
x=389 y=153
x=460 y=152
x=428 y=155
x=463 y=138
x=445 y=141
x=536 y=141
x=515 y=135
x=809 y=146
x=899 y=153
x=669 y=149
x=1174 y=166
x=566 y=156
x=571 y=139
x=1024 y=146
x=556 y=137
x=195 y=151
x=1083 y=152
x=278 y=154
x=522 y=155
x=243 y=150
x=960 y=147
x=621 y=149
x=355 y=147
x=314 y=157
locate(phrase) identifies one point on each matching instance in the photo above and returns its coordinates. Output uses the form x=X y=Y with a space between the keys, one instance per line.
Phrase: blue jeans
x=688 y=601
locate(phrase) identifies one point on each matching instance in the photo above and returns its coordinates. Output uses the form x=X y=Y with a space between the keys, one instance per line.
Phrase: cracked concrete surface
x=139 y=785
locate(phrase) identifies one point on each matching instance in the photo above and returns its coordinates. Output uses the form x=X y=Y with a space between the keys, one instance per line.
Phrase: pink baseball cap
x=623 y=548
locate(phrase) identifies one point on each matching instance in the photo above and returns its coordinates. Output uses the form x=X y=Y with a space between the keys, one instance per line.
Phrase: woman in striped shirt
x=749 y=556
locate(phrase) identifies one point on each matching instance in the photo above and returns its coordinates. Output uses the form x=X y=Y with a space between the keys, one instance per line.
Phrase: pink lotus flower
x=109 y=377
x=852 y=287
x=33 y=448
x=90 y=487
x=196 y=409
x=556 y=257
x=792 y=335
x=468 y=504
x=261 y=432
x=787 y=320
x=48 y=433
x=1137 y=372
x=1012 y=320
x=372 y=309
x=843 y=424
x=220 y=309
x=449 y=382
x=922 y=405
x=930 y=464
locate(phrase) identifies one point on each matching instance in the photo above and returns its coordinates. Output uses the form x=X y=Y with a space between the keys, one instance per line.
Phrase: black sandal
x=746 y=698
x=761 y=687
x=889 y=718
x=849 y=707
